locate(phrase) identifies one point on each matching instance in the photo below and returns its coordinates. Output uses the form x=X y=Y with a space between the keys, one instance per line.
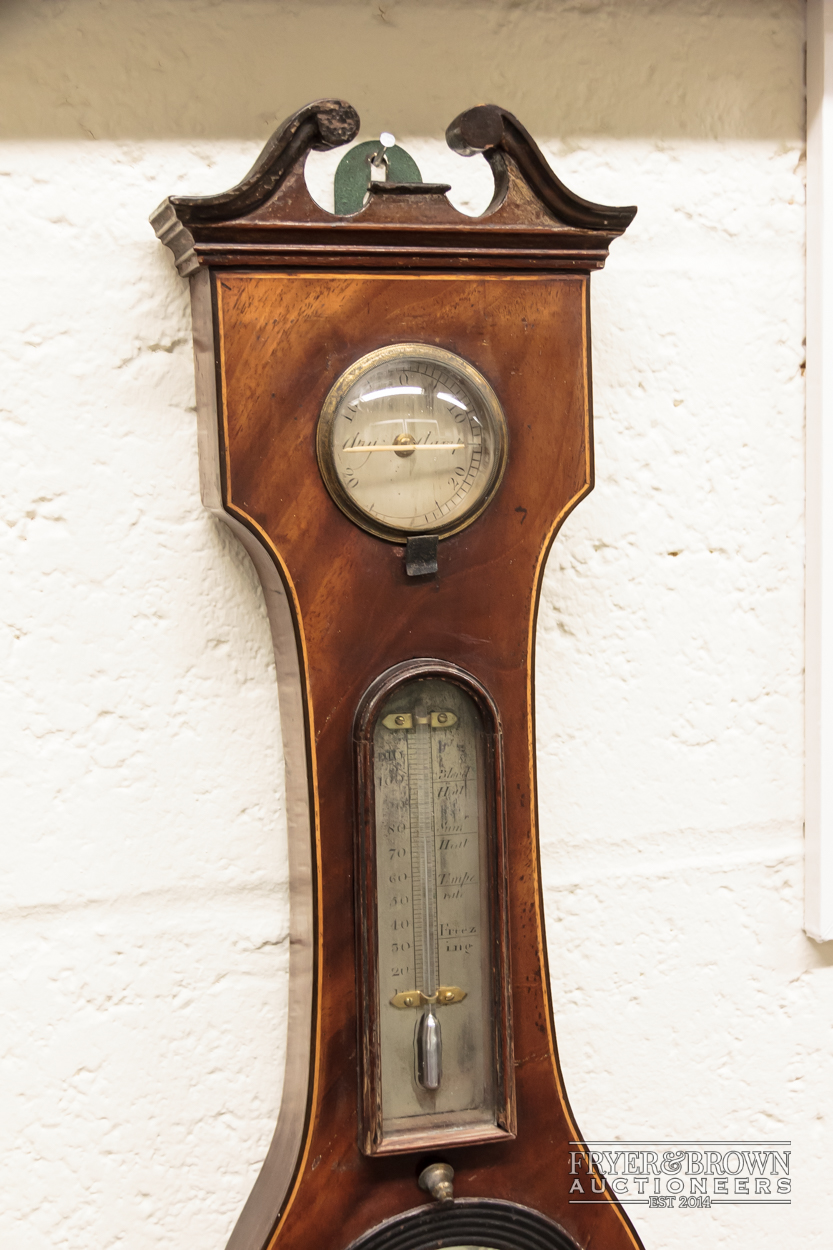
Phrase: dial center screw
x=407 y=442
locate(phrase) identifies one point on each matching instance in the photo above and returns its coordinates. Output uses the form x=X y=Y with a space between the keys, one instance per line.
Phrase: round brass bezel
x=326 y=421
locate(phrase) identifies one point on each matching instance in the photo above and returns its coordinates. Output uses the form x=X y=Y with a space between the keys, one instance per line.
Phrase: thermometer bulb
x=429 y=1050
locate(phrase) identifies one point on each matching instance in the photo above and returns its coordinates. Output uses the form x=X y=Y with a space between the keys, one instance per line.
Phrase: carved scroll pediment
x=269 y=217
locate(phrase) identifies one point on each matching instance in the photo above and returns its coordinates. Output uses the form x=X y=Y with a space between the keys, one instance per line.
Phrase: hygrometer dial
x=412 y=440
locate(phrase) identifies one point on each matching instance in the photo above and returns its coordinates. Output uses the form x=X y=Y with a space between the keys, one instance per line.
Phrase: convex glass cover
x=412 y=440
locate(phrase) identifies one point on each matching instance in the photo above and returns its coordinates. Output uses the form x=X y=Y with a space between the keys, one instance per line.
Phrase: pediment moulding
x=534 y=222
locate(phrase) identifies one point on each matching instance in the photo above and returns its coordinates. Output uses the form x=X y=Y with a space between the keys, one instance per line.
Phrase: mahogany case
x=285 y=297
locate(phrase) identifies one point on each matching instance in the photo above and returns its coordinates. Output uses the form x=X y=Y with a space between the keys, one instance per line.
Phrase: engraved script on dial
x=412 y=440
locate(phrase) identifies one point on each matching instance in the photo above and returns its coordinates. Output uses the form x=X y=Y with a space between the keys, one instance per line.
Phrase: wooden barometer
x=395 y=419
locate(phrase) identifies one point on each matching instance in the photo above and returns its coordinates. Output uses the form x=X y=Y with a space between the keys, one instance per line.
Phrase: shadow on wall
x=154 y=69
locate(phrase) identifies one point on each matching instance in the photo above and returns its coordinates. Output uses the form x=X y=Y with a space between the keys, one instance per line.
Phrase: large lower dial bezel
x=329 y=412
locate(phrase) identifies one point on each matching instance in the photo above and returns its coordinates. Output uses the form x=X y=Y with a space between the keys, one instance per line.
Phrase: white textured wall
x=143 y=905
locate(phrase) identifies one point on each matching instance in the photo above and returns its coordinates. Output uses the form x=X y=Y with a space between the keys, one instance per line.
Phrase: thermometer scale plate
x=438 y=1050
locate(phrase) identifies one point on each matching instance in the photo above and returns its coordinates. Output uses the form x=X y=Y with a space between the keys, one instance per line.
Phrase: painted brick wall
x=143 y=902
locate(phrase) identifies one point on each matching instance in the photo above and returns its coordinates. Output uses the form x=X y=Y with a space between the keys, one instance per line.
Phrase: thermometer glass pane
x=436 y=1009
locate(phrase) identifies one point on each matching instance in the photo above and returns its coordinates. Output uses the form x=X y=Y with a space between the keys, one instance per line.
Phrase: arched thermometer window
x=437 y=1036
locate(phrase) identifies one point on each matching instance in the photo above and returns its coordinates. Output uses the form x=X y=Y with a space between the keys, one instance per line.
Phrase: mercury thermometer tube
x=428 y=1035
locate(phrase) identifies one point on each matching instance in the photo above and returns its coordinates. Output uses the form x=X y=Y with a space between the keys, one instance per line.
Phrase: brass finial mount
x=438 y=1180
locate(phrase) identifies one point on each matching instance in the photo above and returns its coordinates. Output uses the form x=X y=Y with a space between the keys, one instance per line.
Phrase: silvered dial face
x=412 y=440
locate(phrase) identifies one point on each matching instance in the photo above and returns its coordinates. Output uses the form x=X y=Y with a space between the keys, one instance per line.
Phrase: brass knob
x=438 y=1179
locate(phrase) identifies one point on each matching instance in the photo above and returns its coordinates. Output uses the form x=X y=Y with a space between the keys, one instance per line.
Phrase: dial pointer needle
x=400 y=447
